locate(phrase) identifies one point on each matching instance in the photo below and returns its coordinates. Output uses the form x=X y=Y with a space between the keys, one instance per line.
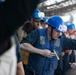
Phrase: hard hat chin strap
x=51 y=32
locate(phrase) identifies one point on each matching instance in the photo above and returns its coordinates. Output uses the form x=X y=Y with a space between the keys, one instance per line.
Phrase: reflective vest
x=23 y=31
x=25 y=55
x=42 y=65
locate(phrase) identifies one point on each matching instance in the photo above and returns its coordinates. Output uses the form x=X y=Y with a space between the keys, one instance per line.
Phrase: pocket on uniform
x=53 y=66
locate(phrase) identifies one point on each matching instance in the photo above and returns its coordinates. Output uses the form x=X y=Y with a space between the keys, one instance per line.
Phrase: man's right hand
x=47 y=53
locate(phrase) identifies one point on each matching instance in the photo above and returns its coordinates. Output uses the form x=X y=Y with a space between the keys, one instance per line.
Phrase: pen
x=56 y=55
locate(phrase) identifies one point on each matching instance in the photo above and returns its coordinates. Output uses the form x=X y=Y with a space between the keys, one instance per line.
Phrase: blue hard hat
x=70 y=25
x=57 y=22
x=36 y=11
x=38 y=14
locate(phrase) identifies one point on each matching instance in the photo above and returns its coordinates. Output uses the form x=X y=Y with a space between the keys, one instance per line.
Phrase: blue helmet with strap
x=38 y=14
x=36 y=11
x=57 y=22
x=70 y=25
